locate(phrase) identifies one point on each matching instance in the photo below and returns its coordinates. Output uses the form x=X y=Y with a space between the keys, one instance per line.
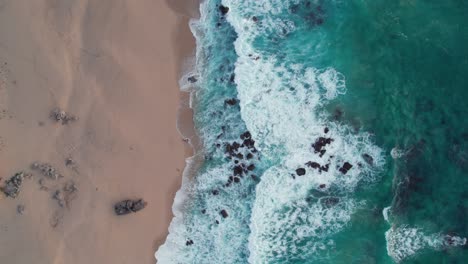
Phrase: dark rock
x=189 y=242
x=254 y=19
x=235 y=146
x=320 y=143
x=217 y=222
x=129 y=206
x=249 y=156
x=326 y=130
x=203 y=211
x=223 y=213
x=231 y=101
x=223 y=9
x=300 y=171
x=245 y=135
x=313 y=165
x=238 y=170
x=325 y=168
x=240 y=156
x=236 y=179
x=232 y=78
x=346 y=167
x=251 y=167
x=254 y=177
x=236 y=162
x=249 y=143
x=13 y=185
x=368 y=158
x=192 y=79
x=215 y=192
x=321 y=186
x=60 y=115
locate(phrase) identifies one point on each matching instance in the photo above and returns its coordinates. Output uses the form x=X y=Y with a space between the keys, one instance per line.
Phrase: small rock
x=60 y=115
x=251 y=167
x=69 y=162
x=245 y=135
x=345 y=168
x=215 y=192
x=129 y=206
x=223 y=213
x=20 y=209
x=313 y=165
x=300 y=171
x=189 y=242
x=13 y=185
x=223 y=9
x=231 y=101
x=192 y=79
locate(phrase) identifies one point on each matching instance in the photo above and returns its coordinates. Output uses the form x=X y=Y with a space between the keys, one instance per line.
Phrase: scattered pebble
x=20 y=209
x=46 y=170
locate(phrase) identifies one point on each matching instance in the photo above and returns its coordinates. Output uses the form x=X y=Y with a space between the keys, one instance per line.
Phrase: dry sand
x=115 y=65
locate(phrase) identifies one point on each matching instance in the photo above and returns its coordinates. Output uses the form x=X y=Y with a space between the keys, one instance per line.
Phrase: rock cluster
x=129 y=206
x=13 y=185
x=47 y=170
x=60 y=115
x=239 y=153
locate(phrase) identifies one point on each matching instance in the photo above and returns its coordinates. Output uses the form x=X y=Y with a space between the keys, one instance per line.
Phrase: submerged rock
x=232 y=101
x=368 y=158
x=13 y=185
x=129 y=206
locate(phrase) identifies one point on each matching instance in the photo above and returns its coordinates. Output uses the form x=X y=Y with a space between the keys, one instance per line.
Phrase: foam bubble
x=405 y=242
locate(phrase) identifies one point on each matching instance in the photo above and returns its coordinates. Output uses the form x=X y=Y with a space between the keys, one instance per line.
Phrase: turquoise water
x=357 y=143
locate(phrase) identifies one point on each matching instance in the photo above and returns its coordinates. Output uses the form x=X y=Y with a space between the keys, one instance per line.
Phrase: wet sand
x=115 y=65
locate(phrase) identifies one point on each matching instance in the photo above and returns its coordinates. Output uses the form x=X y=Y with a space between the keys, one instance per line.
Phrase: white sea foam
x=404 y=242
x=280 y=105
x=385 y=213
x=397 y=153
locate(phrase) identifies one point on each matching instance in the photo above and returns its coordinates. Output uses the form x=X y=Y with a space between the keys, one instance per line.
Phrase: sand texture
x=114 y=65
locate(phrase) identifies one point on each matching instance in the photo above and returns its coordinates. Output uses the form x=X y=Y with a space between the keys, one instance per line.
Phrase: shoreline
x=101 y=62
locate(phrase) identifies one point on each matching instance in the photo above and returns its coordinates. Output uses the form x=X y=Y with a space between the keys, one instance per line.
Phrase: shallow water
x=329 y=91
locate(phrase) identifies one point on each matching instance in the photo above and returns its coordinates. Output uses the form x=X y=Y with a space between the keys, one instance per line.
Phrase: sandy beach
x=114 y=65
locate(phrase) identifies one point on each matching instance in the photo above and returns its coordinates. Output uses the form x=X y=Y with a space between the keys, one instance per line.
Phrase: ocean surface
x=334 y=131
